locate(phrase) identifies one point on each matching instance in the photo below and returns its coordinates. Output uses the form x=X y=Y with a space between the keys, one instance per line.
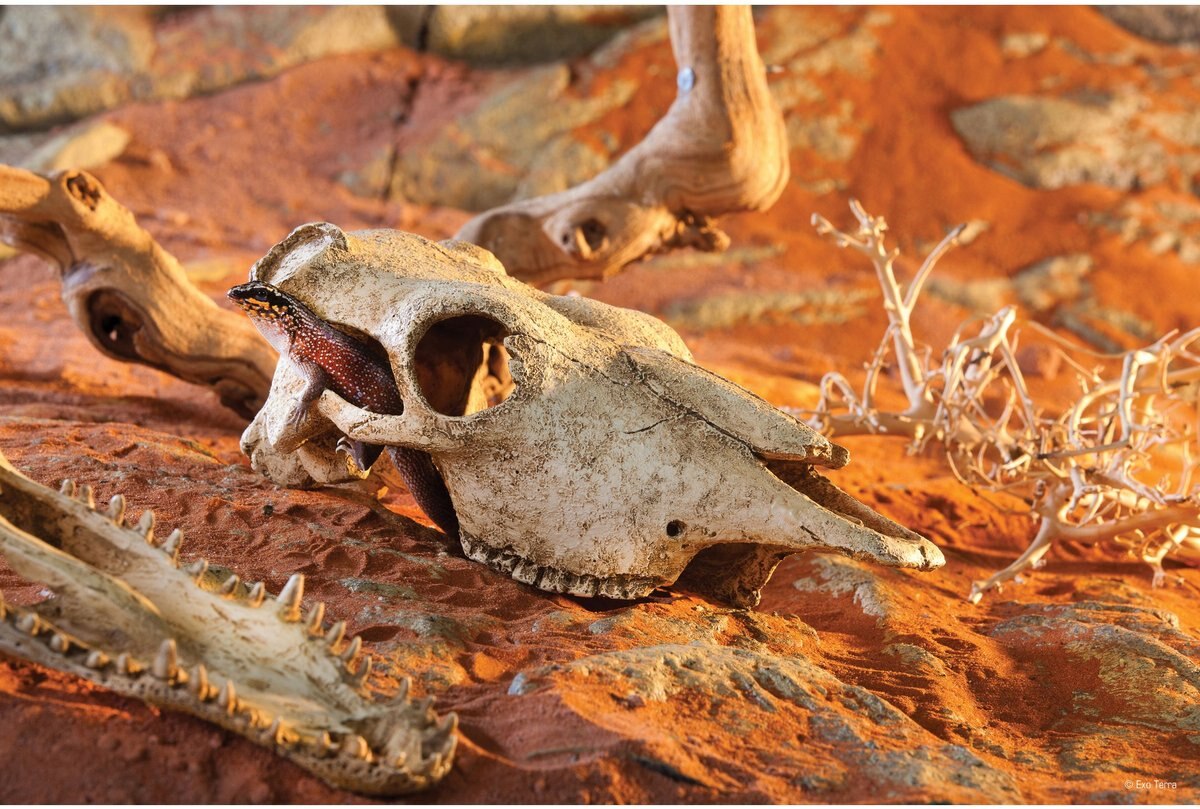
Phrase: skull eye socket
x=459 y=358
x=675 y=528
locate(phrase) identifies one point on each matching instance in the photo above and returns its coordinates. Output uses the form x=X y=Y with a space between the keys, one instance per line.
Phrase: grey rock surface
x=63 y=63
x=494 y=35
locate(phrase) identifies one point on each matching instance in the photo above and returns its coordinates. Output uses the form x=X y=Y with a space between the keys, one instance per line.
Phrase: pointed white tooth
x=96 y=659
x=364 y=671
x=275 y=728
x=290 y=596
x=316 y=617
x=166 y=662
x=423 y=706
x=351 y=651
x=335 y=634
x=449 y=724
x=227 y=697
x=197 y=569
x=230 y=584
x=171 y=546
x=257 y=593
x=324 y=743
x=28 y=623
x=283 y=735
x=199 y=681
x=127 y=664
x=401 y=695
x=116 y=509
x=355 y=746
x=87 y=496
x=60 y=643
x=145 y=526
x=67 y=487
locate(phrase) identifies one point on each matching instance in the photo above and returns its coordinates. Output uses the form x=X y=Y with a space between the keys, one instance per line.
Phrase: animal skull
x=615 y=466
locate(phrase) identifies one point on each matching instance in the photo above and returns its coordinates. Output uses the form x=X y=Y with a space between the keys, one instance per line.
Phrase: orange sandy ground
x=219 y=179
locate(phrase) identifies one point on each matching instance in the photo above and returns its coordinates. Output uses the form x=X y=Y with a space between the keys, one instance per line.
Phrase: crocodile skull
x=614 y=466
x=127 y=615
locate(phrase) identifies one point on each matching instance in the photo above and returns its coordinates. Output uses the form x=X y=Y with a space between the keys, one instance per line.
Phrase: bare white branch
x=1117 y=466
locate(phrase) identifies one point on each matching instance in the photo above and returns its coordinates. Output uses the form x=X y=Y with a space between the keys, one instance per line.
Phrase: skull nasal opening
x=461 y=365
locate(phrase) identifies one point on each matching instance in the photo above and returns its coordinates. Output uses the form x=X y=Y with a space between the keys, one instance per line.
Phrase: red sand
x=222 y=178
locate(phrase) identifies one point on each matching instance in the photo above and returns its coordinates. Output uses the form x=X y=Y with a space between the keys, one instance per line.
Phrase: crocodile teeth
x=145 y=526
x=166 y=662
x=197 y=569
x=351 y=651
x=443 y=738
x=67 y=488
x=87 y=496
x=359 y=677
x=335 y=634
x=283 y=735
x=171 y=546
x=401 y=695
x=316 y=617
x=199 y=681
x=127 y=664
x=423 y=706
x=257 y=593
x=60 y=643
x=28 y=623
x=96 y=659
x=355 y=746
x=227 y=697
x=116 y=509
x=289 y=598
x=230 y=585
x=324 y=743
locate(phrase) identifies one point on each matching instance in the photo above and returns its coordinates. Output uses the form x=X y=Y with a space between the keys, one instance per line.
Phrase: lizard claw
x=298 y=417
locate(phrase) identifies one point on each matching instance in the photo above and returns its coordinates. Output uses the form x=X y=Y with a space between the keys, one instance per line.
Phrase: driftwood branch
x=129 y=295
x=721 y=148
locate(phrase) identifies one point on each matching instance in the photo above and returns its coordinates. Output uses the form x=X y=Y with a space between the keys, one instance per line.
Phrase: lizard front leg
x=316 y=381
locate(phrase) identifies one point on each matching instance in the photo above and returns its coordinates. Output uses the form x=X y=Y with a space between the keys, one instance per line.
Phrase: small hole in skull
x=594 y=232
x=461 y=365
x=675 y=528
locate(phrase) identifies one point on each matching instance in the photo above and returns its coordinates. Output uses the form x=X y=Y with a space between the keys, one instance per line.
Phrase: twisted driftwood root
x=722 y=148
x=128 y=616
x=128 y=294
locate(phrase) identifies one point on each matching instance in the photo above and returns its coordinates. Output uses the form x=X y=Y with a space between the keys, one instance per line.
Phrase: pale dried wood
x=721 y=148
x=129 y=295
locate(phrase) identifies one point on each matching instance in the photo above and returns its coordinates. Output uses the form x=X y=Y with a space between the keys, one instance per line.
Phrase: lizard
x=329 y=358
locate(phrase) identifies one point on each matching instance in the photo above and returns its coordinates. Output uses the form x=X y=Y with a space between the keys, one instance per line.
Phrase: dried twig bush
x=1118 y=465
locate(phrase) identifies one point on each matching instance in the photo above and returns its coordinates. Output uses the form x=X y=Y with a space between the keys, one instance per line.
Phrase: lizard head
x=272 y=311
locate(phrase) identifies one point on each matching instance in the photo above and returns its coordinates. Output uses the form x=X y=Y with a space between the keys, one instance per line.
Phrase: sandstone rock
x=727 y=309
x=63 y=63
x=1052 y=142
x=1132 y=668
x=513 y=34
x=840 y=576
x=516 y=144
x=86 y=146
x=827 y=737
x=1173 y=24
x=1040 y=287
